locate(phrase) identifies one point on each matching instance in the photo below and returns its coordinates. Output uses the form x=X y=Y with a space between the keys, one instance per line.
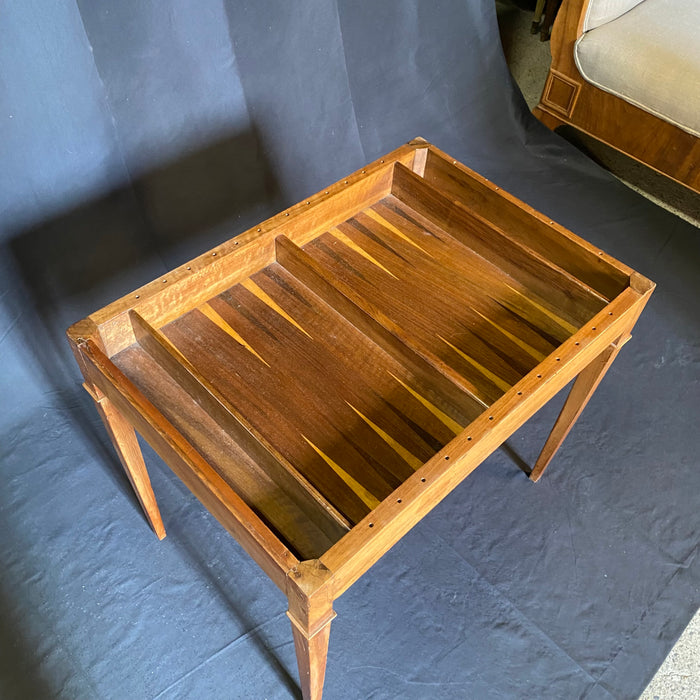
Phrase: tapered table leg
x=311 y=614
x=581 y=392
x=123 y=437
x=312 y=651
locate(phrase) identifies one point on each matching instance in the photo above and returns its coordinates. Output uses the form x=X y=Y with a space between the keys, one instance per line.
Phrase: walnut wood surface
x=339 y=370
x=523 y=224
x=165 y=298
x=229 y=508
x=568 y=99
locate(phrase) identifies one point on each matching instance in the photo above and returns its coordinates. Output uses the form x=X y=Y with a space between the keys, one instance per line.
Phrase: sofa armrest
x=575 y=17
x=600 y=12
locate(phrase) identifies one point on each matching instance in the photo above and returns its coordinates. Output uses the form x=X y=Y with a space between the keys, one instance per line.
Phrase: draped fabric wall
x=136 y=134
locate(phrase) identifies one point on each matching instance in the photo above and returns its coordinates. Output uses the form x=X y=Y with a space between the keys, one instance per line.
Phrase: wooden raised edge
x=306 y=578
x=609 y=260
x=357 y=551
x=77 y=335
x=178 y=290
x=641 y=284
x=311 y=612
x=527 y=226
x=583 y=389
x=420 y=155
x=216 y=495
x=405 y=181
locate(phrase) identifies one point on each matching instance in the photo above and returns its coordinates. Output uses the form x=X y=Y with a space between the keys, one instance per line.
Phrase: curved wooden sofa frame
x=568 y=99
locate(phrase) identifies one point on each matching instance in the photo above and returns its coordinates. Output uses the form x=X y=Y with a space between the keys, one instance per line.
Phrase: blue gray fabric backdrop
x=136 y=134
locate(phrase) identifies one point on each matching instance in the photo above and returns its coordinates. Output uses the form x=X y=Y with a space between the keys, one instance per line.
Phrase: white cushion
x=602 y=11
x=650 y=57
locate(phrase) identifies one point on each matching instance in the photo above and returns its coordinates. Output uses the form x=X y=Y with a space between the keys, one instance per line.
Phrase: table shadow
x=64 y=268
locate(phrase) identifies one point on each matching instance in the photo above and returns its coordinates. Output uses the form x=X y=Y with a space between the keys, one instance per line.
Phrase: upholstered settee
x=627 y=72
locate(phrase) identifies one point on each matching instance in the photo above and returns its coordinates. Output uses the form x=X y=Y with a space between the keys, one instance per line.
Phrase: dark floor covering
x=136 y=137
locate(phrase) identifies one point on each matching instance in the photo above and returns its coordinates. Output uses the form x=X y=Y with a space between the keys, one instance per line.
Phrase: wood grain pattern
x=522 y=223
x=644 y=137
x=311 y=613
x=324 y=384
x=167 y=297
x=215 y=406
x=273 y=557
x=287 y=513
x=487 y=327
x=352 y=428
x=123 y=437
x=364 y=315
x=561 y=292
x=378 y=532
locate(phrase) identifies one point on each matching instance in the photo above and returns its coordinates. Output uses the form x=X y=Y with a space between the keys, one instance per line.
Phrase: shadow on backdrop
x=194 y=543
x=65 y=268
x=76 y=263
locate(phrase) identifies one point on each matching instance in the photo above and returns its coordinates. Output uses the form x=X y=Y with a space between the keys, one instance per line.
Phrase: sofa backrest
x=602 y=11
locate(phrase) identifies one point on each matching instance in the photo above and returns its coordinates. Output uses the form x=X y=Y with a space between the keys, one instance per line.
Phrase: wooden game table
x=323 y=380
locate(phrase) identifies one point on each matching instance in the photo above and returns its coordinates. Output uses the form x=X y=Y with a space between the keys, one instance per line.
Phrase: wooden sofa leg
x=123 y=437
x=581 y=392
